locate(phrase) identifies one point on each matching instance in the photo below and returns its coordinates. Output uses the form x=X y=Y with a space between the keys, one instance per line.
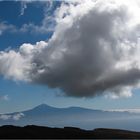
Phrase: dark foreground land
x=64 y=133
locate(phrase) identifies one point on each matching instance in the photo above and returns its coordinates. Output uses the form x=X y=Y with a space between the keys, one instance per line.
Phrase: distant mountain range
x=44 y=115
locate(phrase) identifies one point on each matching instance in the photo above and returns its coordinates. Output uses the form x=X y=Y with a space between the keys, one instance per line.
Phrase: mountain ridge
x=45 y=115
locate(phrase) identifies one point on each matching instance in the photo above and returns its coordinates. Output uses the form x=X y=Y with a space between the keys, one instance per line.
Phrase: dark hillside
x=66 y=132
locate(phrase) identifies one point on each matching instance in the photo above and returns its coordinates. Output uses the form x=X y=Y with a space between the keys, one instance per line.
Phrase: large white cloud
x=94 y=51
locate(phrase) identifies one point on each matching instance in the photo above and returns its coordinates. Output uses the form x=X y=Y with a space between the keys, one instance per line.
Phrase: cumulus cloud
x=17 y=65
x=93 y=51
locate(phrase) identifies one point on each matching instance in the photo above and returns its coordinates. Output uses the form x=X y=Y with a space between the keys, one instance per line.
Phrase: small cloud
x=5 y=117
x=23 y=7
x=4 y=98
x=5 y=27
x=48 y=23
x=17 y=116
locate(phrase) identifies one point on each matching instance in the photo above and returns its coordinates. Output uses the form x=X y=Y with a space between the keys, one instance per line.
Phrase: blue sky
x=24 y=95
x=14 y=39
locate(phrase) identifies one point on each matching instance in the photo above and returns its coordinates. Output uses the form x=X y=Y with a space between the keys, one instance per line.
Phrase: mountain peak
x=43 y=106
x=40 y=109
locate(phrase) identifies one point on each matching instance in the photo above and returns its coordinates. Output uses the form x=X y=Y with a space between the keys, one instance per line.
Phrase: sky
x=55 y=53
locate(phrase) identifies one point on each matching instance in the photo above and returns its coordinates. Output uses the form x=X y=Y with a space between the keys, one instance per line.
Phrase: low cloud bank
x=15 y=117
